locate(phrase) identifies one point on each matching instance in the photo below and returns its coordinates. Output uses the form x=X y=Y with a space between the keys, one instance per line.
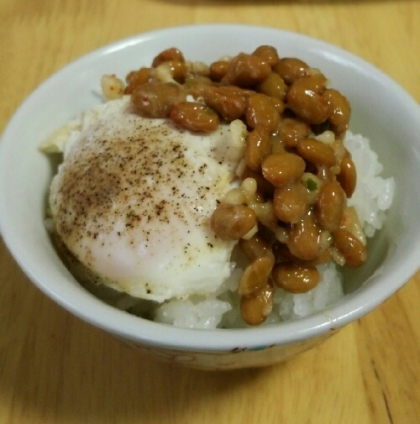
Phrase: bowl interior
x=382 y=111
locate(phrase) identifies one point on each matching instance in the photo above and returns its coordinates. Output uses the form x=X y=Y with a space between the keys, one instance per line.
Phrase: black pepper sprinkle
x=121 y=174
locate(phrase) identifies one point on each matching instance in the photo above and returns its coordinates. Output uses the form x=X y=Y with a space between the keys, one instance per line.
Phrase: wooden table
x=56 y=369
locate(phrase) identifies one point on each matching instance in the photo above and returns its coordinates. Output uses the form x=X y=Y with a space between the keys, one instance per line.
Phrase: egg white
x=133 y=198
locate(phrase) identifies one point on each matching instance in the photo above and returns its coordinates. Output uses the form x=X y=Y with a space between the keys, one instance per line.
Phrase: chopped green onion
x=311 y=184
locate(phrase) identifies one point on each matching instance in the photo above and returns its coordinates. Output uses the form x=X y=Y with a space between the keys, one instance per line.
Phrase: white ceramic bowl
x=382 y=111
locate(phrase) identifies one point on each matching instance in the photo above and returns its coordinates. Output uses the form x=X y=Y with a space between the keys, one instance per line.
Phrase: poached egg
x=133 y=198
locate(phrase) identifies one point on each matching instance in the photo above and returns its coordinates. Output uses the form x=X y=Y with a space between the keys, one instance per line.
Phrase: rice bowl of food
x=230 y=221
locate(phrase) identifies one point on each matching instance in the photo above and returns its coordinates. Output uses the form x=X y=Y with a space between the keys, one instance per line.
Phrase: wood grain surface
x=56 y=369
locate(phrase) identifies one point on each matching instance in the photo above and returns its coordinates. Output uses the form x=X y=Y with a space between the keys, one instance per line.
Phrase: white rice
x=372 y=197
x=373 y=194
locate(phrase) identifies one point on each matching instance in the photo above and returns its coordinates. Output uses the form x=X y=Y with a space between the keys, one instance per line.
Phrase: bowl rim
x=157 y=334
